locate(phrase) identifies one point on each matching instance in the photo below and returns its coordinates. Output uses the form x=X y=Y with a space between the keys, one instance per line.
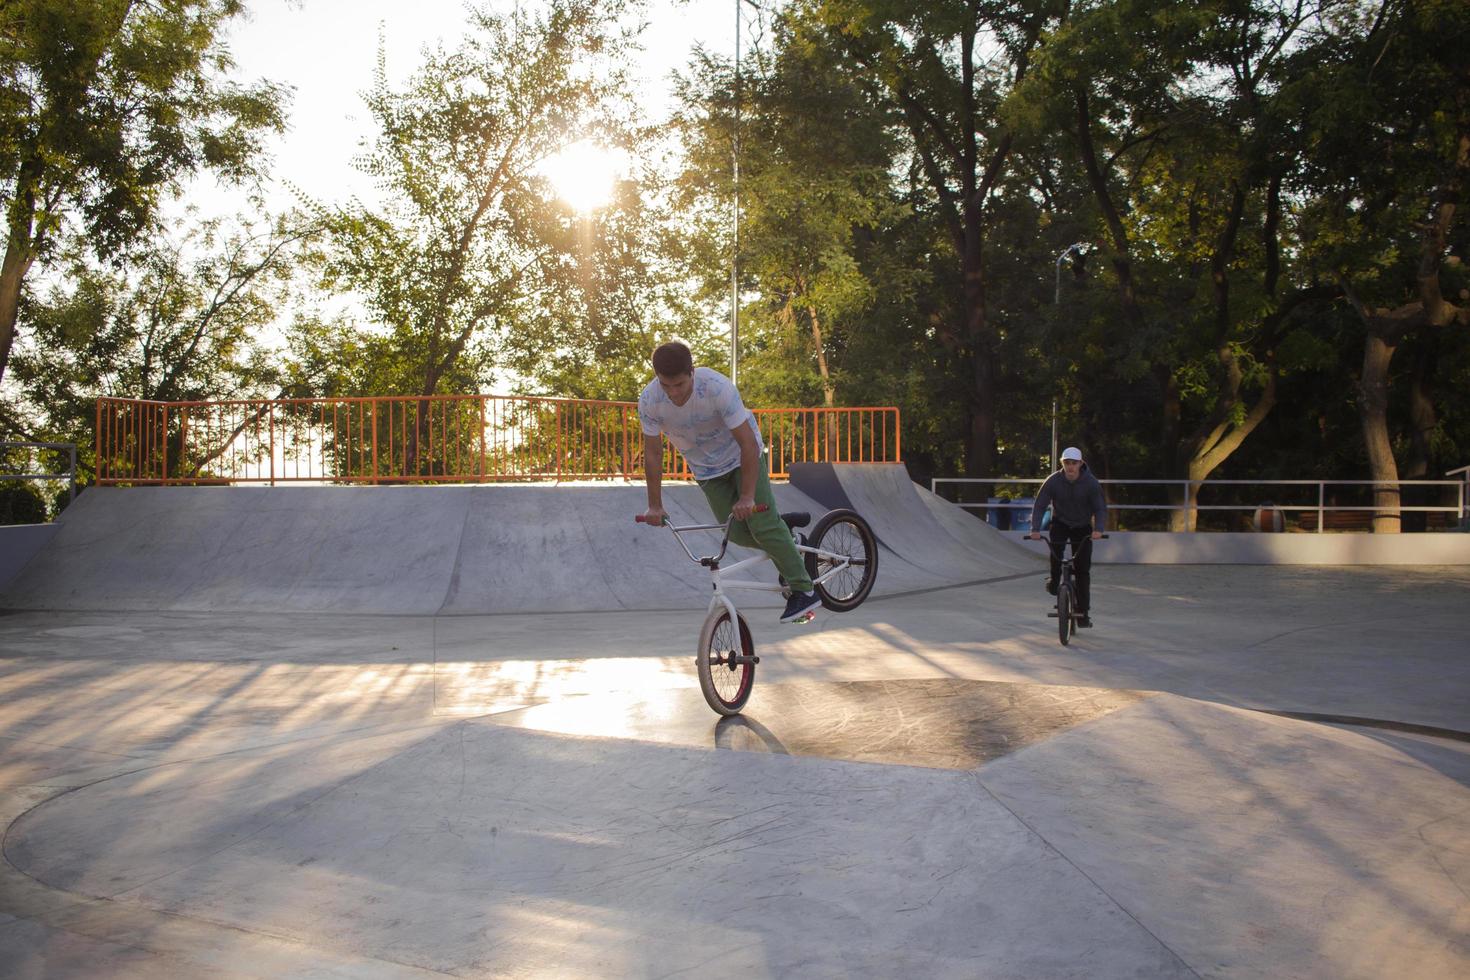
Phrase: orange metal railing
x=439 y=439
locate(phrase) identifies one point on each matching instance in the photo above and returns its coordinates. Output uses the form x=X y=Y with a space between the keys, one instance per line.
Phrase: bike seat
x=796 y=519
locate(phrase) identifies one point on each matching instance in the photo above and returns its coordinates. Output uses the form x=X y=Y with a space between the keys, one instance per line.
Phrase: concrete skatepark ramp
x=445 y=550
x=928 y=785
x=925 y=530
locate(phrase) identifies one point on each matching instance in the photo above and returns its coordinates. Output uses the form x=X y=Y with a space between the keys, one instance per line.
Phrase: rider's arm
x=1043 y=501
x=750 y=461
x=653 y=469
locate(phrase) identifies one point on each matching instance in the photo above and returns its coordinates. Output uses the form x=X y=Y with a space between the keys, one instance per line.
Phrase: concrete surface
x=927 y=786
x=400 y=550
x=18 y=545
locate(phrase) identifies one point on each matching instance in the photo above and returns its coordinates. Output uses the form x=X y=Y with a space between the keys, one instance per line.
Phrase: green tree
x=1387 y=109
x=182 y=319
x=816 y=150
x=105 y=107
x=457 y=254
x=945 y=69
x=1181 y=117
x=618 y=285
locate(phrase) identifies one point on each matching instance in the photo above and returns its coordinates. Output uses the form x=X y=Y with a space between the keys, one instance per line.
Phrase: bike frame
x=718 y=576
x=1066 y=573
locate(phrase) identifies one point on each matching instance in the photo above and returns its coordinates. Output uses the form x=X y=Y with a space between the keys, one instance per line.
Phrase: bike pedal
x=805 y=618
x=1051 y=615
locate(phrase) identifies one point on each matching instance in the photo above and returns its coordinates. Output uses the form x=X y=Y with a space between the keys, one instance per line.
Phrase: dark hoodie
x=1076 y=503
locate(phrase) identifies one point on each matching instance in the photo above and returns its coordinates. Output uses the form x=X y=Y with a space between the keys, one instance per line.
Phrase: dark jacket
x=1076 y=503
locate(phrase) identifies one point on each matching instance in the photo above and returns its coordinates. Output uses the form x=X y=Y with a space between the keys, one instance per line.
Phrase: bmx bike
x=1066 y=613
x=841 y=556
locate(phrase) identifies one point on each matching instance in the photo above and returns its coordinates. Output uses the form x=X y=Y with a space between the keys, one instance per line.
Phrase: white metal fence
x=34 y=468
x=1315 y=510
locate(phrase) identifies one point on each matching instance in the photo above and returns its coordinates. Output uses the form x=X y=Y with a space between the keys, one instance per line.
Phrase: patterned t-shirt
x=700 y=428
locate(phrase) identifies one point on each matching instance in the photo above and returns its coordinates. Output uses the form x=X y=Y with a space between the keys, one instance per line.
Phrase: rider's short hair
x=673 y=359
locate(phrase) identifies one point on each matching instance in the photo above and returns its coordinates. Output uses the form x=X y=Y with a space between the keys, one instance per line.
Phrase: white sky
x=327 y=50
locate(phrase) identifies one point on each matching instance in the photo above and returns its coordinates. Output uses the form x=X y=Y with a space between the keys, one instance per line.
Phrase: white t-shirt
x=700 y=428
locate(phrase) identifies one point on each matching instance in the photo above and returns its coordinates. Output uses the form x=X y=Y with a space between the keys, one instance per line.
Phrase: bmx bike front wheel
x=726 y=662
x=843 y=535
x=1064 y=614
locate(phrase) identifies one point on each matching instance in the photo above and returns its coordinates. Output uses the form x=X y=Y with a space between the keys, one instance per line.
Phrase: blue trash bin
x=997 y=517
x=1021 y=516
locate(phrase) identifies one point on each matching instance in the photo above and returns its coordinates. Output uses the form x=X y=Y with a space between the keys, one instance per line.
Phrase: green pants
x=764 y=530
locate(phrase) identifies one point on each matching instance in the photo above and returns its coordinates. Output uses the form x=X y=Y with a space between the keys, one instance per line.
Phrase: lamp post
x=1056 y=301
x=1060 y=259
x=735 y=248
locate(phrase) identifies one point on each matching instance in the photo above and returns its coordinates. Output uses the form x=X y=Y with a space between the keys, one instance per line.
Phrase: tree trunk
x=1378 y=350
x=981 y=456
x=1422 y=418
x=419 y=432
x=1169 y=446
x=19 y=254
x=829 y=391
x=12 y=274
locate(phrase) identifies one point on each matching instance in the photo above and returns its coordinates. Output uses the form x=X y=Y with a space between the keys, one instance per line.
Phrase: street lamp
x=1062 y=258
x=735 y=247
x=1075 y=247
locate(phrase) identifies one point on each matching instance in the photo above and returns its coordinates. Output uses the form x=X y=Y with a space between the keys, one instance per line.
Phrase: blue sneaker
x=801 y=607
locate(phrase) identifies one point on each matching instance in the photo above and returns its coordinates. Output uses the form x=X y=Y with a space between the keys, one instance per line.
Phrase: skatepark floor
x=1240 y=772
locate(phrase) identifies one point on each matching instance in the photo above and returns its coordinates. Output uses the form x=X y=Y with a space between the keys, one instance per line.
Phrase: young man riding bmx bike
x=701 y=413
x=1079 y=515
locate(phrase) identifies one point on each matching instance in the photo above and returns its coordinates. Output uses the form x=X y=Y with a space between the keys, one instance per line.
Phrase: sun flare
x=584 y=174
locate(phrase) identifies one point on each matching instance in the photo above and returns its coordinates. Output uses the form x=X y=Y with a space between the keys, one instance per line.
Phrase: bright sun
x=583 y=174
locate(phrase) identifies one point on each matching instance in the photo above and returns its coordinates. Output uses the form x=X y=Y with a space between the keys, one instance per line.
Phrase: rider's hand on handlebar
x=1034 y=536
x=1097 y=535
x=655 y=517
x=743 y=508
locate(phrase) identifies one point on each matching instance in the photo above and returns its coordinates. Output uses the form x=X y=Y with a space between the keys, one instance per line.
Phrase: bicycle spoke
x=844 y=541
x=725 y=670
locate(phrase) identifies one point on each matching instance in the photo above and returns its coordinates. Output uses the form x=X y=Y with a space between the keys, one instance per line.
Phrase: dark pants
x=1081 y=538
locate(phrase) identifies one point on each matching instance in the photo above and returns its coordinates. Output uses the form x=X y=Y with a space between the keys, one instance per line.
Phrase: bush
x=21 y=503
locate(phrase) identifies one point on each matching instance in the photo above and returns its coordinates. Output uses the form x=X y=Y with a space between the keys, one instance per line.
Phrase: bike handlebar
x=643 y=519
x=1060 y=553
x=724 y=542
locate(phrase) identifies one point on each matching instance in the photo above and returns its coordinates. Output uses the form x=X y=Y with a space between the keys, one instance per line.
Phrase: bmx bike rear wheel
x=726 y=663
x=843 y=533
x=1064 y=613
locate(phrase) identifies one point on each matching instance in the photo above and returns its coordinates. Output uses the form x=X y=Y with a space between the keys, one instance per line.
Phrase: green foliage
x=469 y=262
x=815 y=152
x=105 y=107
x=182 y=318
x=21 y=503
x=1250 y=182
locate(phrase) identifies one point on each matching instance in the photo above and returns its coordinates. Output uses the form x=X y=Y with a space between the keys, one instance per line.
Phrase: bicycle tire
x=843 y=532
x=1064 y=613
x=726 y=677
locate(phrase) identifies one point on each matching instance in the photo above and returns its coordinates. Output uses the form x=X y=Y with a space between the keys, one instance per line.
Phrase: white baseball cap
x=1072 y=452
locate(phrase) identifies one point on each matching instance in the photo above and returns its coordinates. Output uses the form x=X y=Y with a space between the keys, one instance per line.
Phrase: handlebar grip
x=760 y=509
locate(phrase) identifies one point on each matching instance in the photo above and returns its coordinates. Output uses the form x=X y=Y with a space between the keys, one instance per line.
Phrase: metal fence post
x=97 y=445
x=1321 y=500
